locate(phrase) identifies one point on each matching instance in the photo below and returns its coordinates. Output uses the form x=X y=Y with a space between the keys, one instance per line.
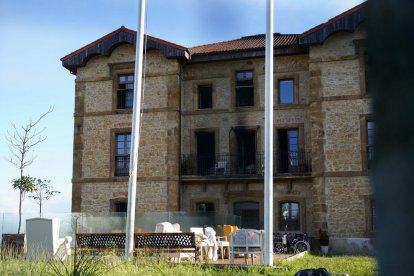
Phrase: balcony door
x=206 y=149
x=288 y=150
x=246 y=151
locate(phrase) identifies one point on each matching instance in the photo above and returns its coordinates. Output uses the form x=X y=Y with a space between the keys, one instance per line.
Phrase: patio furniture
x=99 y=242
x=221 y=168
x=223 y=245
x=246 y=241
x=167 y=227
x=206 y=241
x=227 y=229
x=182 y=244
x=42 y=237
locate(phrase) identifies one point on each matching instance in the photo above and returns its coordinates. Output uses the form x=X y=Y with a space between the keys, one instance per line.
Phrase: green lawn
x=353 y=265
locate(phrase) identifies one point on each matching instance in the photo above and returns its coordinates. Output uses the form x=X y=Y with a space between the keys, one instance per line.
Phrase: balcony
x=226 y=165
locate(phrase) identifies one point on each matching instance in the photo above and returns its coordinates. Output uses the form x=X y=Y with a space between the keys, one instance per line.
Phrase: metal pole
x=268 y=185
x=133 y=163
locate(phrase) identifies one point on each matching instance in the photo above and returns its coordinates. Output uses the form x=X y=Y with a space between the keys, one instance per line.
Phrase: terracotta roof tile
x=244 y=43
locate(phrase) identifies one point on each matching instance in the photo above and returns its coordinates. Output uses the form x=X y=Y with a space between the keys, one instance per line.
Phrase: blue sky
x=34 y=35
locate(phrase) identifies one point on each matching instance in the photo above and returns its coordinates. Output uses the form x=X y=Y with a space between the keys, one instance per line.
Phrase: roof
x=245 y=43
x=106 y=44
x=347 y=21
x=244 y=47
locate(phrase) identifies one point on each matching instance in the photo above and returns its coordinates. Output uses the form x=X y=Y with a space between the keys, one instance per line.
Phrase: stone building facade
x=202 y=134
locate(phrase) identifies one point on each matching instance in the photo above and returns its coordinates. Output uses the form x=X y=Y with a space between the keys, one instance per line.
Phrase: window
x=366 y=71
x=286 y=91
x=373 y=215
x=125 y=91
x=289 y=216
x=121 y=207
x=370 y=143
x=249 y=213
x=288 y=150
x=205 y=97
x=246 y=151
x=244 y=88
x=204 y=208
x=205 y=152
x=123 y=147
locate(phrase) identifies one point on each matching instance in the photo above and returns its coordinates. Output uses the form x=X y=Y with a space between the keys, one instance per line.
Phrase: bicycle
x=285 y=243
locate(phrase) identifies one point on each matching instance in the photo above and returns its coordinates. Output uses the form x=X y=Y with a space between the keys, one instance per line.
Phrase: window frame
x=115 y=172
x=290 y=202
x=370 y=217
x=302 y=151
x=279 y=92
x=365 y=163
x=205 y=213
x=237 y=87
x=122 y=94
x=199 y=97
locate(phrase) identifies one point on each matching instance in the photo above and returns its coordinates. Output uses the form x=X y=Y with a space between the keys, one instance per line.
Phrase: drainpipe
x=180 y=149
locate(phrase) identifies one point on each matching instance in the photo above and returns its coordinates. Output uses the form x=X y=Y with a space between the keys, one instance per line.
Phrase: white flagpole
x=133 y=163
x=268 y=185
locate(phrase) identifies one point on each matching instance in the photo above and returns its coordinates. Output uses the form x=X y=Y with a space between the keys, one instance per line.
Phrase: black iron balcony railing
x=122 y=165
x=293 y=162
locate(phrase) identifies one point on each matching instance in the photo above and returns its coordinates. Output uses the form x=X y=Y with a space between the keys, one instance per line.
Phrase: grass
x=338 y=264
x=113 y=265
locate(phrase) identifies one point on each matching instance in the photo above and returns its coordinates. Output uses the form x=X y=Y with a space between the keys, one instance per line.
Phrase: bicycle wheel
x=301 y=246
x=278 y=248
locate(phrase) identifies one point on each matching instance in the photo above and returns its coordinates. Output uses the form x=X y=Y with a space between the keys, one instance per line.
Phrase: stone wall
x=224 y=115
x=98 y=121
x=338 y=103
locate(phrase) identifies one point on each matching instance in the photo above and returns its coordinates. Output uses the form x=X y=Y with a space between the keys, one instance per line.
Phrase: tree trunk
x=20 y=199
x=20 y=211
x=40 y=207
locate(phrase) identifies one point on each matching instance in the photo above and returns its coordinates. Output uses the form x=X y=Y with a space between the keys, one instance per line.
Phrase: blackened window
x=122 y=151
x=125 y=91
x=370 y=143
x=246 y=151
x=205 y=97
x=286 y=91
x=244 y=88
x=204 y=208
x=289 y=216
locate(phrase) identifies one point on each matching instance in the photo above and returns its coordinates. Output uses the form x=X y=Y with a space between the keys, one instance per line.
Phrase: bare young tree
x=21 y=141
x=42 y=192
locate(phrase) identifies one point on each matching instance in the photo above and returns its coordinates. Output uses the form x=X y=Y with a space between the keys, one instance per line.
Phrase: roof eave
x=246 y=54
x=345 y=22
x=105 y=45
